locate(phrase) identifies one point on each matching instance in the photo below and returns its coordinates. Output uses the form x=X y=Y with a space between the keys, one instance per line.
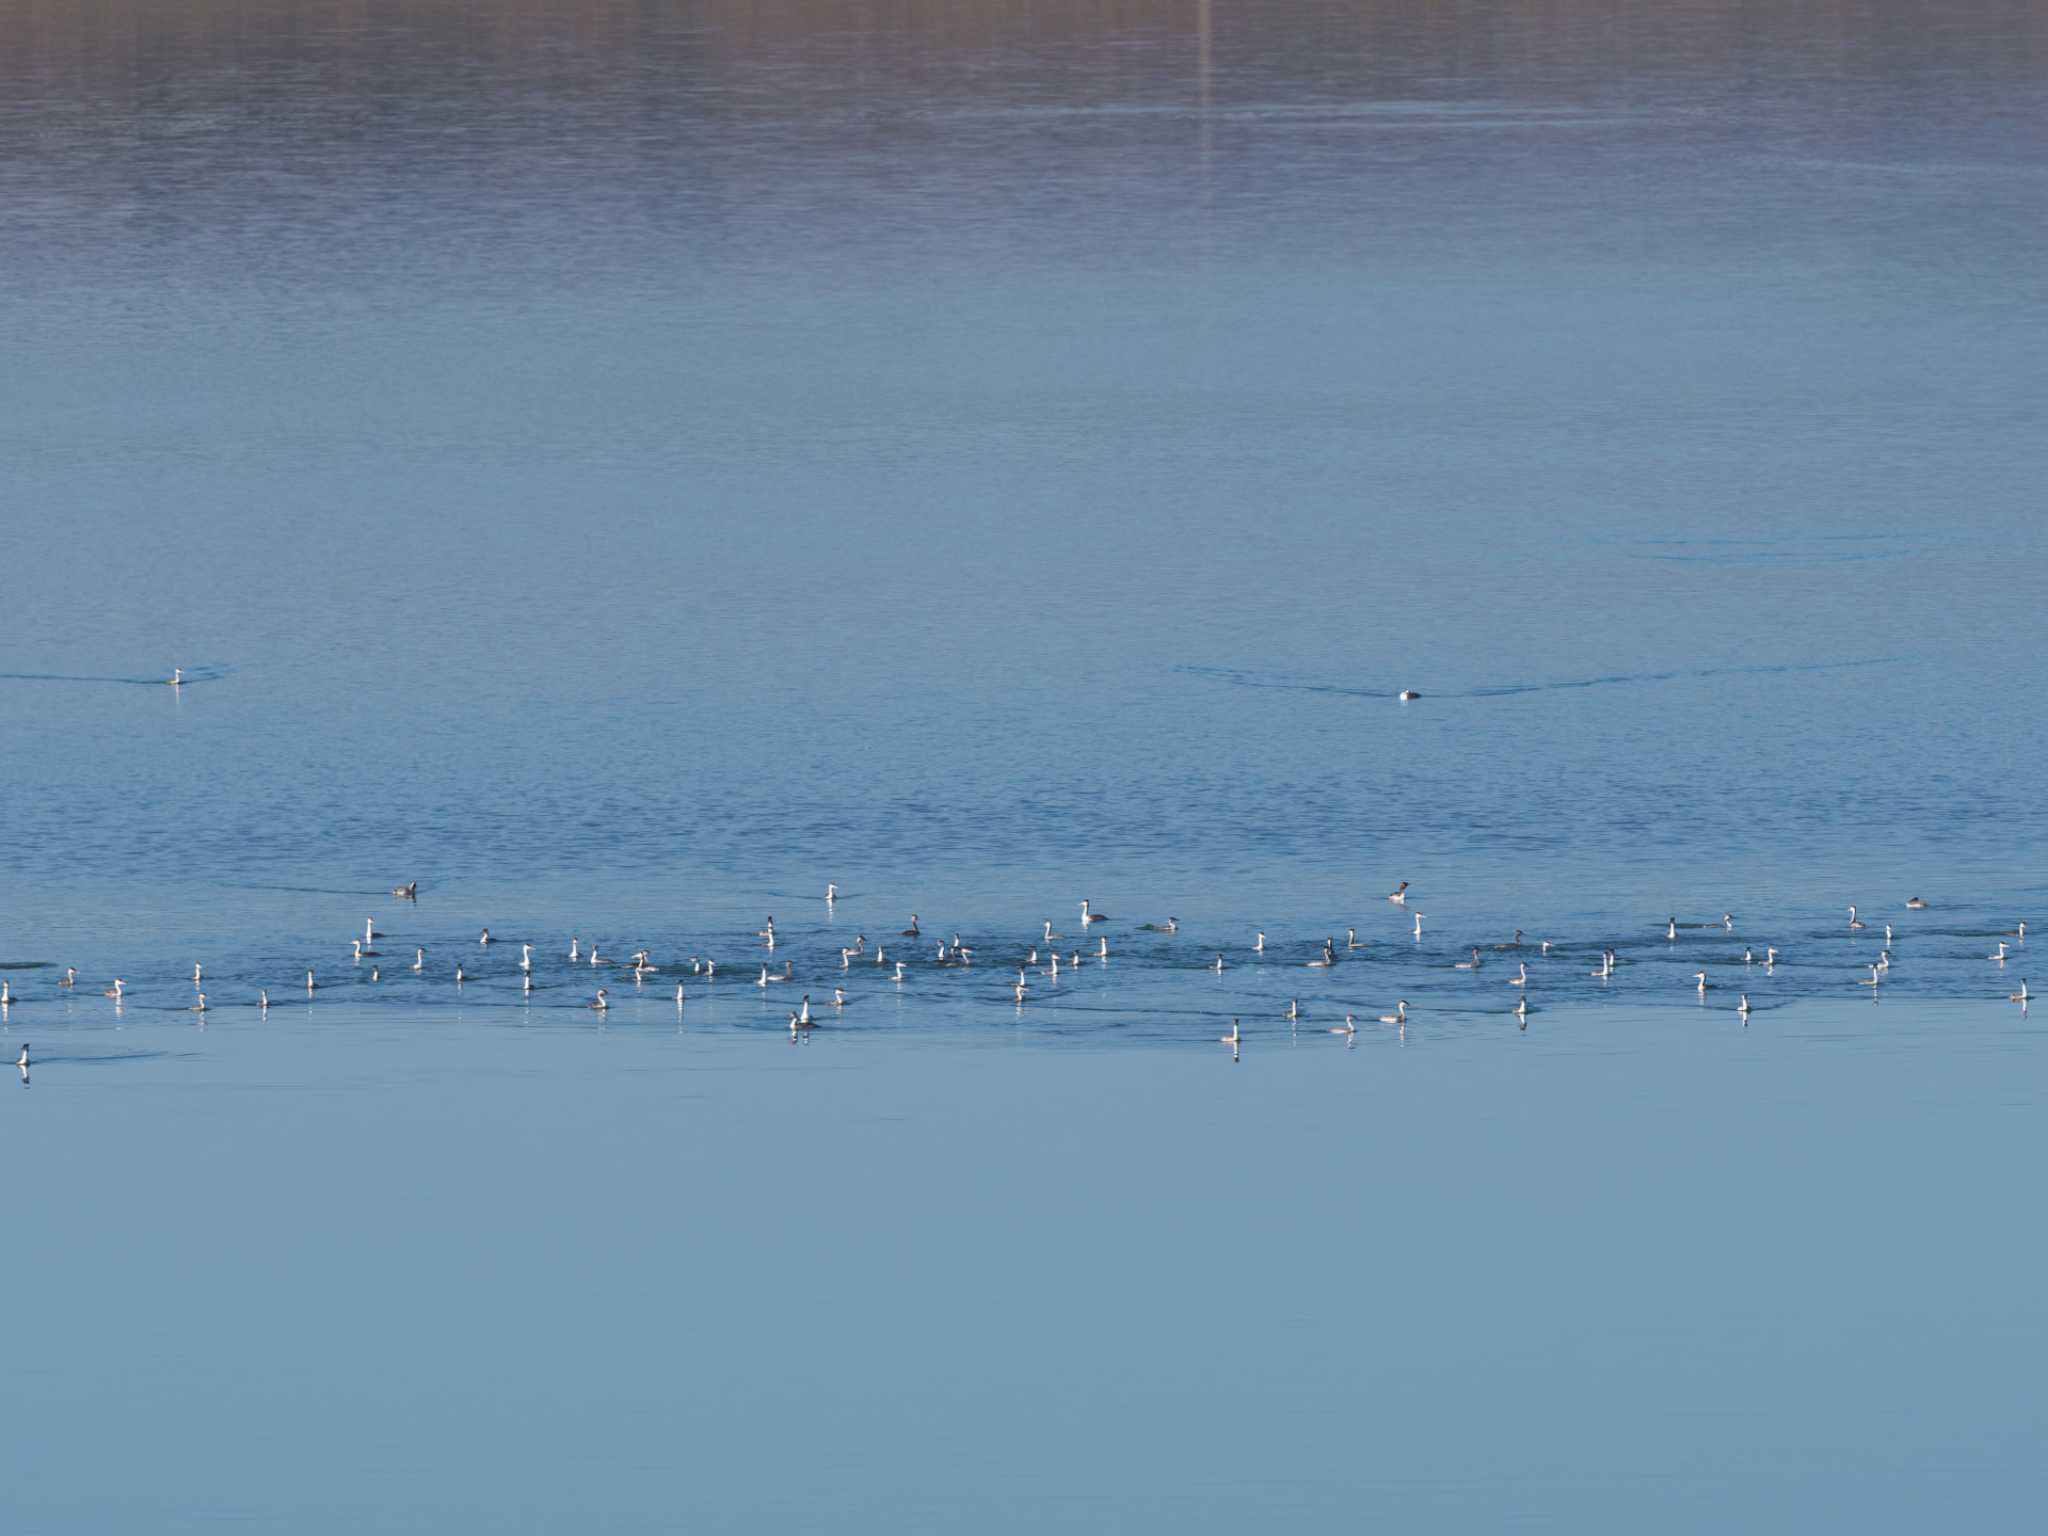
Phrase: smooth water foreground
x=627 y=469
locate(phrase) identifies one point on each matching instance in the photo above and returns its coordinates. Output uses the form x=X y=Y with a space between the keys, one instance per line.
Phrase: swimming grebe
x=1418 y=923
x=1743 y=1007
x=1234 y=1036
x=1399 y=895
x=838 y=997
x=1293 y=1010
x=177 y=677
x=1915 y=904
x=1088 y=917
x=1701 y=978
x=1218 y=966
x=70 y=976
x=526 y=957
x=484 y=937
x=601 y=1002
x=2000 y=956
x=1468 y=965
x=1348 y=1027
x=831 y=894
x=1521 y=977
x=195 y=973
x=310 y=983
x=419 y=959
x=913 y=931
x=1409 y=695
x=1853 y=923
x=1259 y=944
x=899 y=971
x=200 y=1005
x=1351 y=939
x=410 y=891
x=1398 y=1016
x=21 y=1061
x=115 y=990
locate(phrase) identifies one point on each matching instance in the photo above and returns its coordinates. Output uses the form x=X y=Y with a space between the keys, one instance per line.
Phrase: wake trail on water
x=1297 y=683
x=193 y=676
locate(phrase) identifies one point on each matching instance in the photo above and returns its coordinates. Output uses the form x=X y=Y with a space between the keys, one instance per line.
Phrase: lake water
x=625 y=468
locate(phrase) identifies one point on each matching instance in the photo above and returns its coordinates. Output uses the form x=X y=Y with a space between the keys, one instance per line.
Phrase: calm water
x=625 y=469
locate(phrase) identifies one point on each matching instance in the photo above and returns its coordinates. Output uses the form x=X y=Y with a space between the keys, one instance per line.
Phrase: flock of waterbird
x=1042 y=959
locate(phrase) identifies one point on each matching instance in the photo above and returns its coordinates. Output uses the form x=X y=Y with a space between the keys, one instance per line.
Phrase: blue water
x=626 y=470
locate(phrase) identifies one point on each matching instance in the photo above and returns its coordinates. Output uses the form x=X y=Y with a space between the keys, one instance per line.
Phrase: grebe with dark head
x=1399 y=895
x=70 y=977
x=1915 y=904
x=410 y=891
